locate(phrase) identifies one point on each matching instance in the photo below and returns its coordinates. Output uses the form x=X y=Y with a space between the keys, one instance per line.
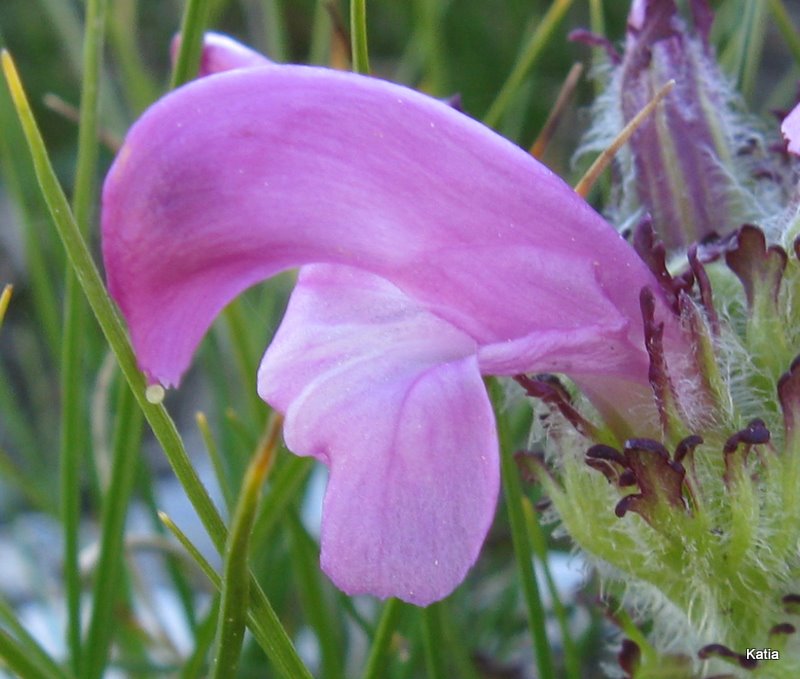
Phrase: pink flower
x=433 y=252
x=791 y=130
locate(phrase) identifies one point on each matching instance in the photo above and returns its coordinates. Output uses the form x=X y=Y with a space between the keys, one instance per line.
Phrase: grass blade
x=18 y=660
x=278 y=646
x=195 y=19
x=522 y=547
x=381 y=643
x=530 y=53
x=28 y=645
x=235 y=580
x=358 y=36
x=261 y=619
x=115 y=505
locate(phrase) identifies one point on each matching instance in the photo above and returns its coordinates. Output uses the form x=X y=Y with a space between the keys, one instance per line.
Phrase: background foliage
x=96 y=583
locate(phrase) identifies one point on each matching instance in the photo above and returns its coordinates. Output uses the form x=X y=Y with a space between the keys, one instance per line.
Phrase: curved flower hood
x=441 y=252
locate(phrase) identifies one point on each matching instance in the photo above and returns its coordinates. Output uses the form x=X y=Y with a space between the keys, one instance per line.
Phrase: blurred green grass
x=444 y=47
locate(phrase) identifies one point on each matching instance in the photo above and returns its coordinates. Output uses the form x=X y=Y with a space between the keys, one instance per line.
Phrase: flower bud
x=698 y=165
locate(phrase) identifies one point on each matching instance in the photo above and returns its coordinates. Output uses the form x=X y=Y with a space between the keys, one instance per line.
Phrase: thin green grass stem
x=597 y=20
x=784 y=23
x=278 y=647
x=319 y=50
x=19 y=661
x=530 y=53
x=315 y=606
x=41 y=283
x=64 y=19
x=203 y=640
x=72 y=444
x=519 y=535
x=244 y=352
x=572 y=665
x=193 y=25
x=108 y=578
x=183 y=588
x=140 y=90
x=460 y=653
x=277 y=33
x=261 y=619
x=285 y=484
x=28 y=645
x=221 y=474
x=18 y=427
x=380 y=649
x=743 y=54
x=73 y=384
x=434 y=642
x=358 y=36
x=235 y=581
x=429 y=13
x=12 y=475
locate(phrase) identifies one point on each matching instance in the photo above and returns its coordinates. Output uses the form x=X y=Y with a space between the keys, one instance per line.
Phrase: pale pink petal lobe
x=390 y=397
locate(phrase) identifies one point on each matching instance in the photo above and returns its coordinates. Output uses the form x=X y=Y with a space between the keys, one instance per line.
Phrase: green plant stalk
x=43 y=291
x=572 y=665
x=17 y=424
x=433 y=642
x=12 y=475
x=64 y=19
x=28 y=645
x=284 y=486
x=220 y=472
x=195 y=19
x=358 y=36
x=317 y=609
x=204 y=638
x=182 y=587
x=596 y=18
x=277 y=35
x=429 y=13
x=530 y=53
x=261 y=619
x=784 y=23
x=17 y=659
x=460 y=654
x=127 y=440
x=381 y=643
x=139 y=88
x=244 y=351
x=73 y=386
x=743 y=53
x=522 y=547
x=278 y=646
x=235 y=581
x=320 y=46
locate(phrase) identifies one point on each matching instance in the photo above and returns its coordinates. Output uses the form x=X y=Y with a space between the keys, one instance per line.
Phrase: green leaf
x=522 y=547
x=195 y=18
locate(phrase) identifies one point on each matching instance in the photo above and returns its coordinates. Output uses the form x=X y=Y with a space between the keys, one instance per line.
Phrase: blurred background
x=163 y=603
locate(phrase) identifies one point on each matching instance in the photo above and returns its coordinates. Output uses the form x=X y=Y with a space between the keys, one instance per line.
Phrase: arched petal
x=239 y=175
x=791 y=130
x=390 y=397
